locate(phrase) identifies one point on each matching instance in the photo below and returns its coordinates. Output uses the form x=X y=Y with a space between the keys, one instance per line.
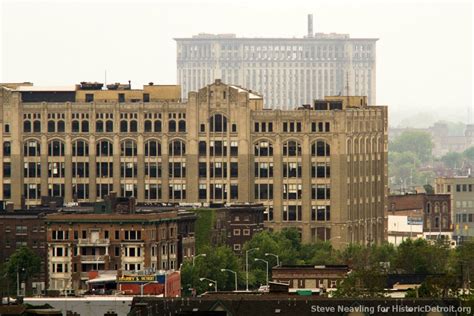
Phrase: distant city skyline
x=52 y=42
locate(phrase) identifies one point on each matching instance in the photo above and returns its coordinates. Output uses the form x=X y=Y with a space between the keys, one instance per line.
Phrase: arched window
x=7 y=149
x=105 y=148
x=148 y=126
x=320 y=149
x=133 y=126
x=7 y=128
x=152 y=148
x=128 y=148
x=80 y=148
x=26 y=126
x=85 y=126
x=263 y=149
x=218 y=123
x=291 y=149
x=31 y=148
x=182 y=126
x=428 y=208
x=61 y=126
x=99 y=126
x=109 y=126
x=202 y=148
x=51 y=126
x=444 y=208
x=177 y=148
x=123 y=126
x=172 y=126
x=75 y=126
x=56 y=148
x=37 y=126
x=157 y=126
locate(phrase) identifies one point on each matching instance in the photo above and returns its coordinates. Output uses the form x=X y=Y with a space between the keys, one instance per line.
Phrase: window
x=37 y=126
x=75 y=126
x=172 y=126
x=104 y=149
x=133 y=126
x=182 y=126
x=99 y=126
x=80 y=148
x=246 y=232
x=7 y=149
x=177 y=148
x=292 y=212
x=218 y=123
x=146 y=97
x=123 y=126
x=51 y=126
x=263 y=149
x=121 y=97
x=61 y=126
x=89 y=97
x=152 y=148
x=109 y=126
x=320 y=149
x=236 y=232
x=27 y=126
x=56 y=149
x=157 y=126
x=85 y=126
x=321 y=213
x=128 y=148
x=7 y=170
x=291 y=149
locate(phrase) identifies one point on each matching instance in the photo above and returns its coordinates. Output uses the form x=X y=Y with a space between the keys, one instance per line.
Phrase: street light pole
x=235 y=275
x=200 y=255
x=247 y=267
x=266 y=262
x=212 y=281
x=274 y=255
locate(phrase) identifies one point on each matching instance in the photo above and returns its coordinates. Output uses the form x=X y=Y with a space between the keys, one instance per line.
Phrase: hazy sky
x=424 y=55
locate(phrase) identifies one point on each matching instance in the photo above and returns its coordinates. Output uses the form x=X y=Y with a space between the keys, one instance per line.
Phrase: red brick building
x=91 y=241
x=434 y=209
x=25 y=228
x=236 y=224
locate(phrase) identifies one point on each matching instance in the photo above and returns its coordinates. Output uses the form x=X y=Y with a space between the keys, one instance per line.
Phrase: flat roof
x=68 y=88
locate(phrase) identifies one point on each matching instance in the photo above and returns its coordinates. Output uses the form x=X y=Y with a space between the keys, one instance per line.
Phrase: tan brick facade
x=321 y=171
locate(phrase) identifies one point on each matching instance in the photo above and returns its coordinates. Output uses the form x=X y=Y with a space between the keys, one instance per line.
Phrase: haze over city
x=422 y=67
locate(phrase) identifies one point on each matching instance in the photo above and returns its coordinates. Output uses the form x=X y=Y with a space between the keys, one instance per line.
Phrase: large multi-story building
x=81 y=242
x=288 y=72
x=321 y=168
x=461 y=190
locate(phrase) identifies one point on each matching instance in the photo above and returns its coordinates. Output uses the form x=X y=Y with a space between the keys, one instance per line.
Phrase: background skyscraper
x=287 y=71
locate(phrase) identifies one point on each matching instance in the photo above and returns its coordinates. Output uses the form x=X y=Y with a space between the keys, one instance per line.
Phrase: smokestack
x=310 y=25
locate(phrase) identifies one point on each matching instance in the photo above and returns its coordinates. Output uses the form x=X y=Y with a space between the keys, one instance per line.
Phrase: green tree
x=23 y=261
x=417 y=142
x=469 y=153
x=217 y=258
x=453 y=160
x=419 y=256
x=319 y=253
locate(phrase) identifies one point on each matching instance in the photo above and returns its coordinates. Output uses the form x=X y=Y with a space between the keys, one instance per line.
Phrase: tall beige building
x=288 y=72
x=320 y=168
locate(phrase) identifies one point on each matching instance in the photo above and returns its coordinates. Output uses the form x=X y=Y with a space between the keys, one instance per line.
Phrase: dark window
x=218 y=123
x=123 y=126
x=202 y=170
x=234 y=128
x=234 y=169
x=7 y=128
x=51 y=126
x=75 y=126
x=172 y=126
x=148 y=126
x=146 y=97
x=85 y=126
x=203 y=128
x=182 y=126
x=7 y=149
x=61 y=126
x=37 y=126
x=89 y=97
x=133 y=126
x=121 y=97
x=157 y=126
x=6 y=170
x=27 y=127
x=202 y=148
x=109 y=126
x=99 y=126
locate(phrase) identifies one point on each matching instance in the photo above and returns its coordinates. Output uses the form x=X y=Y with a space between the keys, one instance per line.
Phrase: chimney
x=310 y=25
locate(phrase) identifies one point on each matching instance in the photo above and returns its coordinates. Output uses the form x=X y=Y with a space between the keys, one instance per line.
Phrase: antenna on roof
x=347 y=87
x=105 y=77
